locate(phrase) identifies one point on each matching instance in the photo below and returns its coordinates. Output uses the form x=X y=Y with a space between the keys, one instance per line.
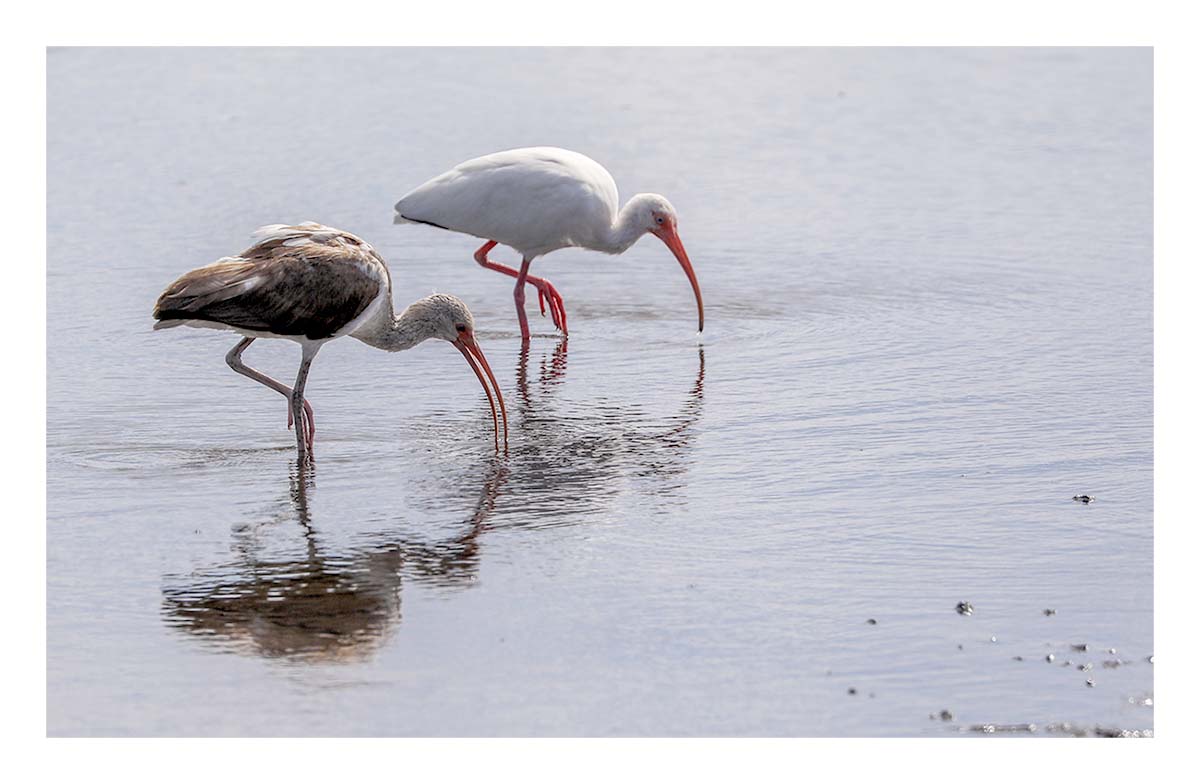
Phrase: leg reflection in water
x=322 y=604
x=575 y=449
x=549 y=376
x=314 y=597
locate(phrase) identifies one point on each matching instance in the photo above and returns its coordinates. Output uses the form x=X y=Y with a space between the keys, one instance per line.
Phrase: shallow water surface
x=927 y=276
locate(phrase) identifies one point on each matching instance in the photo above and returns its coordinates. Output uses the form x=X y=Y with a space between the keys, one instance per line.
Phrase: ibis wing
x=307 y=288
x=532 y=199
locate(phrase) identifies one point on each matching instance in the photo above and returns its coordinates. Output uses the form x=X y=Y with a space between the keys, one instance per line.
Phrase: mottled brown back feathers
x=307 y=280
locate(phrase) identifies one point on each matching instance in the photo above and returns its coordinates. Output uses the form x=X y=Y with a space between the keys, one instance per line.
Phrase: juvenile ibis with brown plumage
x=537 y=200
x=312 y=284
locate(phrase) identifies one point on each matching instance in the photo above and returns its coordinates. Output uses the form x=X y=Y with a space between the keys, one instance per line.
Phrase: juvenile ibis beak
x=474 y=355
x=670 y=238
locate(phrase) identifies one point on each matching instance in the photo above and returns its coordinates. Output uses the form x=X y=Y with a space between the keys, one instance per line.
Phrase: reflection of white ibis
x=312 y=283
x=537 y=200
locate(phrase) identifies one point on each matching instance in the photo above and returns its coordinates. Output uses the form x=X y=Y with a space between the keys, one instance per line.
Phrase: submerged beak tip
x=478 y=362
x=671 y=239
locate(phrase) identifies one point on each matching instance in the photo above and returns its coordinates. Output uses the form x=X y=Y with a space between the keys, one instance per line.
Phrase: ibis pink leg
x=234 y=360
x=519 y=298
x=546 y=291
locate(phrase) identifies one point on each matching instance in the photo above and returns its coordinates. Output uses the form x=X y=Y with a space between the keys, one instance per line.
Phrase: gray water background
x=928 y=286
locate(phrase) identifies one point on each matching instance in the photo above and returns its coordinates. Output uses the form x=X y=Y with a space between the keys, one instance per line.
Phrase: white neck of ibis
x=394 y=333
x=629 y=227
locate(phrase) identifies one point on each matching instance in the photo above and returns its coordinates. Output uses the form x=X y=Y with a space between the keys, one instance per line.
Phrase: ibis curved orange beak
x=474 y=355
x=670 y=238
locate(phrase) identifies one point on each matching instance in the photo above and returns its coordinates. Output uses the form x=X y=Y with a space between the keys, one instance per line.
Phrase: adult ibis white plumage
x=311 y=284
x=537 y=200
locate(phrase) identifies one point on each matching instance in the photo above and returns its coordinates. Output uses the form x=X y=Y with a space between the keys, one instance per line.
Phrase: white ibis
x=311 y=284
x=537 y=200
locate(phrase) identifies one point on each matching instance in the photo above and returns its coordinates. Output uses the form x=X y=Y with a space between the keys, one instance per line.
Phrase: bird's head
x=656 y=215
x=441 y=316
x=446 y=317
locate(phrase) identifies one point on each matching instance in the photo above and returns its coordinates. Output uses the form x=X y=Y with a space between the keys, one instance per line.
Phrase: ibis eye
x=461 y=327
x=658 y=221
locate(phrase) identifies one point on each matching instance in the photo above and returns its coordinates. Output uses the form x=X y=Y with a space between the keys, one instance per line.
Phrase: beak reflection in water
x=299 y=590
